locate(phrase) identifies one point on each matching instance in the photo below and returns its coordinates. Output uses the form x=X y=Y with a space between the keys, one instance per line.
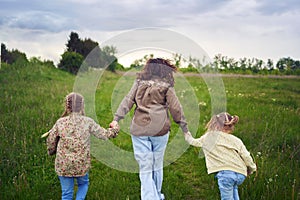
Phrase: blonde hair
x=74 y=102
x=222 y=121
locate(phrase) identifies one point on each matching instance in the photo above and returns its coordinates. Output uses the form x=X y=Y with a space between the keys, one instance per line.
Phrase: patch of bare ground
x=241 y=75
x=223 y=75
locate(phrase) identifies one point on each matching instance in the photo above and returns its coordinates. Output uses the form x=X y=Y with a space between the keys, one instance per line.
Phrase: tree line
x=83 y=54
x=285 y=65
x=12 y=56
x=224 y=64
x=80 y=54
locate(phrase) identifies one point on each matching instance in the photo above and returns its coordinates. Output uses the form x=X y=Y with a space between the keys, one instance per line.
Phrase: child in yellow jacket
x=225 y=154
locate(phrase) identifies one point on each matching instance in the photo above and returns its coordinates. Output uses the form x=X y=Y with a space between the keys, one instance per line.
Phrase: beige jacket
x=224 y=151
x=154 y=99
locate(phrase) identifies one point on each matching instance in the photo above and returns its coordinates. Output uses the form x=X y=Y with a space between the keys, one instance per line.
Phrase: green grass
x=32 y=100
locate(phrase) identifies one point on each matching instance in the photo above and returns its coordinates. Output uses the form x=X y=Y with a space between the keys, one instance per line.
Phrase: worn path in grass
x=130 y=73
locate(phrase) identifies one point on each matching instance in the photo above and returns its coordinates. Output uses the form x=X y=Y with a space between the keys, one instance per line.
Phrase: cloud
x=120 y=15
x=37 y=20
x=270 y=7
x=234 y=28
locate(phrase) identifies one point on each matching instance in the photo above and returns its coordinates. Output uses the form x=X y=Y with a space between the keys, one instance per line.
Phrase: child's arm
x=52 y=140
x=192 y=141
x=251 y=166
x=103 y=133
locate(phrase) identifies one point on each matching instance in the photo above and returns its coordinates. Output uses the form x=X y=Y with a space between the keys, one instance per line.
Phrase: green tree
x=38 y=61
x=177 y=59
x=12 y=56
x=16 y=56
x=91 y=53
x=87 y=46
x=4 y=53
x=83 y=47
x=110 y=50
x=284 y=63
x=108 y=54
x=243 y=64
x=74 y=43
x=139 y=63
x=71 y=62
x=257 y=65
x=270 y=65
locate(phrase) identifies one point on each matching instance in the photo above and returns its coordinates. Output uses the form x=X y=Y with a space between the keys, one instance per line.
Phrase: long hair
x=158 y=67
x=74 y=102
x=221 y=122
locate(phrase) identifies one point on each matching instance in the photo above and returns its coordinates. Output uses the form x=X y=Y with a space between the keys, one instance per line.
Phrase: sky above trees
x=261 y=29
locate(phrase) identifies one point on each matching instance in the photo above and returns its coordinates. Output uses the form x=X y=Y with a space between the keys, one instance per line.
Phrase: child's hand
x=113 y=132
x=115 y=128
x=249 y=171
x=45 y=134
x=188 y=137
x=192 y=141
x=114 y=124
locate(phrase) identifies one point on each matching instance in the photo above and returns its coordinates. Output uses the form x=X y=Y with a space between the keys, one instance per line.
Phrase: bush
x=71 y=62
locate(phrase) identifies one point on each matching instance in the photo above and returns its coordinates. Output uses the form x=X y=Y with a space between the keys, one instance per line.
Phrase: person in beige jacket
x=225 y=154
x=154 y=97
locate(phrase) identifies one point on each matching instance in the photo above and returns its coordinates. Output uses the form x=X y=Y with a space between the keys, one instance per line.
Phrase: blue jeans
x=67 y=187
x=149 y=153
x=228 y=182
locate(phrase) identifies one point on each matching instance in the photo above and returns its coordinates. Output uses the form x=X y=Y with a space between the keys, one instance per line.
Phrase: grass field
x=32 y=100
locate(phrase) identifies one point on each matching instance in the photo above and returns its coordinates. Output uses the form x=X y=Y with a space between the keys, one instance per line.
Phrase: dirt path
x=224 y=75
x=242 y=75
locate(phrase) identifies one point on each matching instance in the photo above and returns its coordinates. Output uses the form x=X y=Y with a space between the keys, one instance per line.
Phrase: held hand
x=115 y=128
x=188 y=137
x=113 y=133
x=113 y=124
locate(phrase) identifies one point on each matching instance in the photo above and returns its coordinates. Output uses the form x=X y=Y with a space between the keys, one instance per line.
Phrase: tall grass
x=32 y=100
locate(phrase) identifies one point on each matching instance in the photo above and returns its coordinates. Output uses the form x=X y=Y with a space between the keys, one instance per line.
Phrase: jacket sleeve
x=127 y=103
x=176 y=109
x=244 y=153
x=52 y=140
x=101 y=132
x=196 y=142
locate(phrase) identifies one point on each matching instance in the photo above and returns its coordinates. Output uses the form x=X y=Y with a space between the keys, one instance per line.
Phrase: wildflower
x=258 y=154
x=202 y=103
x=270 y=180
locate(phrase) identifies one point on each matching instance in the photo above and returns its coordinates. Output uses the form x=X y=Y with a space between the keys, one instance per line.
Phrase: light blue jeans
x=67 y=187
x=228 y=182
x=149 y=153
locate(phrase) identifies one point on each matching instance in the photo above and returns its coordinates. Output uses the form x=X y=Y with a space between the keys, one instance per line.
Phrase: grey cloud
x=103 y=15
x=53 y=16
x=38 y=20
x=270 y=7
x=119 y=15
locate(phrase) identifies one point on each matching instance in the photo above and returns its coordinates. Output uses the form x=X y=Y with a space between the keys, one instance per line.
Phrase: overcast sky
x=235 y=28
